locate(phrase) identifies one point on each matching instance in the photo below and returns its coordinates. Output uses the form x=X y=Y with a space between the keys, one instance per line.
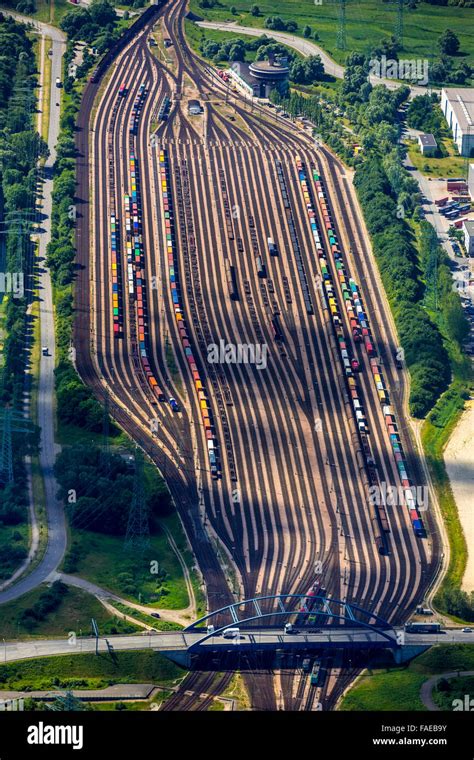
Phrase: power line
x=11 y=421
x=341 y=32
x=137 y=538
x=399 y=22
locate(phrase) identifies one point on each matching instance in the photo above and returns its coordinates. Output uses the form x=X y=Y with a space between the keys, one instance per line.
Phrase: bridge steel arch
x=380 y=625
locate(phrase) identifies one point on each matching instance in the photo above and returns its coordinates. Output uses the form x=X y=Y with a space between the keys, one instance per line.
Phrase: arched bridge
x=315 y=615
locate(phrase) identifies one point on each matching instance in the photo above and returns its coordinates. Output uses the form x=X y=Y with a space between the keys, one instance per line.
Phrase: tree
x=307 y=31
x=448 y=42
x=233 y=10
x=255 y=10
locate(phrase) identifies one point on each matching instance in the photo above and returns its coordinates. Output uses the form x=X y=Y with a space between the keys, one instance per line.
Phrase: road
x=57 y=537
x=289 y=506
x=306 y=48
x=426 y=693
x=182 y=617
x=180 y=642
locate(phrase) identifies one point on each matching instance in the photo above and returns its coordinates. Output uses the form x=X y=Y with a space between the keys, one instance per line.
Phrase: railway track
x=284 y=495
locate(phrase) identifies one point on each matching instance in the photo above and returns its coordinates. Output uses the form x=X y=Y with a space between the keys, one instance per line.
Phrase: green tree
x=448 y=42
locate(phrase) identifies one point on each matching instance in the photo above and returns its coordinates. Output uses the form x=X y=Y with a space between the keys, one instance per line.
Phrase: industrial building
x=457 y=104
x=260 y=77
x=468 y=229
x=470 y=181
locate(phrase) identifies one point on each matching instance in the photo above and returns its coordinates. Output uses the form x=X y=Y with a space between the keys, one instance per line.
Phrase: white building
x=428 y=145
x=468 y=229
x=470 y=181
x=457 y=104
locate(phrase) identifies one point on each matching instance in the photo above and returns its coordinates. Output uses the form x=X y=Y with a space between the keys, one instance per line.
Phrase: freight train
x=359 y=323
x=167 y=200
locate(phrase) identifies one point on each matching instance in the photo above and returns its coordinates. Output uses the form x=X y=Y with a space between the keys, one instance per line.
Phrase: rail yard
x=233 y=229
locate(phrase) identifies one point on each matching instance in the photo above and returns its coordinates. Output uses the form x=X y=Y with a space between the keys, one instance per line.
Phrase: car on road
x=232 y=633
x=50 y=51
x=173 y=404
x=155 y=615
x=45 y=350
x=58 y=82
x=467 y=629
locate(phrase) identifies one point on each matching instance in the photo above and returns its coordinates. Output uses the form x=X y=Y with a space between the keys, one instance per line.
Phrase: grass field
x=383 y=690
x=90 y=671
x=160 y=625
x=368 y=21
x=103 y=560
x=398 y=688
x=453 y=165
x=456 y=688
x=45 y=108
x=51 y=11
x=74 y=614
x=159 y=697
x=48 y=11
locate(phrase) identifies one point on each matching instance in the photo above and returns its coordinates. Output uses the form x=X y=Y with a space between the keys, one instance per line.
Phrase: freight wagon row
x=378 y=517
x=226 y=203
x=294 y=240
x=137 y=108
x=175 y=295
x=350 y=364
x=360 y=327
x=114 y=237
x=133 y=244
x=164 y=109
x=135 y=267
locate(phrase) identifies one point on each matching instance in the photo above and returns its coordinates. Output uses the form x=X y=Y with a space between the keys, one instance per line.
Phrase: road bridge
x=320 y=624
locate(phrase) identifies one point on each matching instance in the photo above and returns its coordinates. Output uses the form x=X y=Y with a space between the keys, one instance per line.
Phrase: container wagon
x=231 y=280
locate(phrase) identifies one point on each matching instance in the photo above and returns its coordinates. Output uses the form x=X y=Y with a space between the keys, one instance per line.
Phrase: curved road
x=426 y=693
x=306 y=48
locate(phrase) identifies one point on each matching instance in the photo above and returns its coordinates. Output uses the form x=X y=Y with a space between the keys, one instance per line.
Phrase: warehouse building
x=468 y=229
x=470 y=181
x=457 y=104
